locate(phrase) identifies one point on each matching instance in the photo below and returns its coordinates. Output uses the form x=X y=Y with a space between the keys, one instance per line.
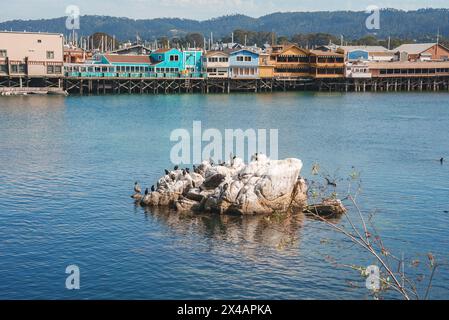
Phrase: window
x=50 y=54
x=174 y=57
x=39 y=41
x=3 y=53
x=240 y=58
x=3 y=68
x=58 y=69
x=50 y=69
x=248 y=59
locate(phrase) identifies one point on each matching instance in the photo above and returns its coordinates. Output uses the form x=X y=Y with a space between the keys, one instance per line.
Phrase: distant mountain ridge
x=416 y=24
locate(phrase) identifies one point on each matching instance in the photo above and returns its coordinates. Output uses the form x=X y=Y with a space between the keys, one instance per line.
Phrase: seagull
x=137 y=188
x=330 y=183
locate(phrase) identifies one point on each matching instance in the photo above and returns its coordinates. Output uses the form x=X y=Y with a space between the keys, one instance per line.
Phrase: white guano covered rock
x=261 y=187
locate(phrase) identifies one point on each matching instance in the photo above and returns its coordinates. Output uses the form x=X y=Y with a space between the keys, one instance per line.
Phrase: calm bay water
x=67 y=166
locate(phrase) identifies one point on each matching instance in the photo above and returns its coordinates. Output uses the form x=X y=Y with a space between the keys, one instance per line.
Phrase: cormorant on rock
x=167 y=172
x=188 y=170
x=442 y=160
x=146 y=191
x=176 y=168
x=184 y=172
x=235 y=157
x=153 y=189
x=330 y=183
x=137 y=188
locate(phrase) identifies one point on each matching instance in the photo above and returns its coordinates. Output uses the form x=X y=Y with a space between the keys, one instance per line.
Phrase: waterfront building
x=422 y=52
x=407 y=69
x=266 y=66
x=243 y=64
x=75 y=55
x=129 y=65
x=358 y=70
x=327 y=64
x=167 y=62
x=192 y=60
x=366 y=53
x=216 y=64
x=290 y=62
x=31 y=54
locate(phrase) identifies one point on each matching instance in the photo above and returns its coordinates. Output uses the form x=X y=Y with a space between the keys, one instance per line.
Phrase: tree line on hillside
x=393 y=23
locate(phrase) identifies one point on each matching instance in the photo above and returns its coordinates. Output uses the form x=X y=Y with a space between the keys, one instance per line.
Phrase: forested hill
x=394 y=23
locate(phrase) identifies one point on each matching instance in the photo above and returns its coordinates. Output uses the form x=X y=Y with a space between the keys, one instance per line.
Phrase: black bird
x=330 y=183
x=184 y=172
x=167 y=172
x=442 y=160
x=235 y=157
x=137 y=188
x=188 y=170
x=176 y=168
x=146 y=191
x=153 y=189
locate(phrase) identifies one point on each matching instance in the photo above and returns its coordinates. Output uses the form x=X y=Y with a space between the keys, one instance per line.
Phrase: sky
x=193 y=9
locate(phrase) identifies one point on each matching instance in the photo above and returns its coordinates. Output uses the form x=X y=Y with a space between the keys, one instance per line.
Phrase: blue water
x=67 y=166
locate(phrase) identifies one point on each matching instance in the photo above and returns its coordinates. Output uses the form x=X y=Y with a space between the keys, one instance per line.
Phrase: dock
x=120 y=85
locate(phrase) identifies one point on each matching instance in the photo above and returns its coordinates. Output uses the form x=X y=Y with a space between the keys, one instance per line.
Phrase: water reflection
x=280 y=231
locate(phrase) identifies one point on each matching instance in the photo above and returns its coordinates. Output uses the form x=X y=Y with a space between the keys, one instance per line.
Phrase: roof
x=132 y=47
x=245 y=49
x=415 y=48
x=325 y=53
x=214 y=53
x=26 y=32
x=116 y=58
x=162 y=50
x=408 y=65
x=279 y=51
x=364 y=48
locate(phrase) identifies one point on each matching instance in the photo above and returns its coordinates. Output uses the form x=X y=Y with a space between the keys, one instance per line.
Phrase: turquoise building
x=167 y=62
x=193 y=61
x=128 y=65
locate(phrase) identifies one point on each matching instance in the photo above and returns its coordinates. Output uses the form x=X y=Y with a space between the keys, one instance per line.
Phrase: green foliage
x=420 y=25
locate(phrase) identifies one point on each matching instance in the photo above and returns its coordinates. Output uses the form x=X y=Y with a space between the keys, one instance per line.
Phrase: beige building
x=31 y=54
x=216 y=64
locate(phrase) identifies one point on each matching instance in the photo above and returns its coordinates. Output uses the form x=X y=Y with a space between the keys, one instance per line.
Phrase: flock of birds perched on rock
x=186 y=171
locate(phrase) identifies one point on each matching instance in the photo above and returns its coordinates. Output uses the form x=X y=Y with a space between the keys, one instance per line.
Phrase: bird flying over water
x=330 y=183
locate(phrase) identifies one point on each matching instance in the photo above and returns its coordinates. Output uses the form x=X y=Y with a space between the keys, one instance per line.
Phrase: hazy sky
x=194 y=9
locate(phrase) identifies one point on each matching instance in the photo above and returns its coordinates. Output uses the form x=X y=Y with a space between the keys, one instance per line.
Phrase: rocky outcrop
x=261 y=187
